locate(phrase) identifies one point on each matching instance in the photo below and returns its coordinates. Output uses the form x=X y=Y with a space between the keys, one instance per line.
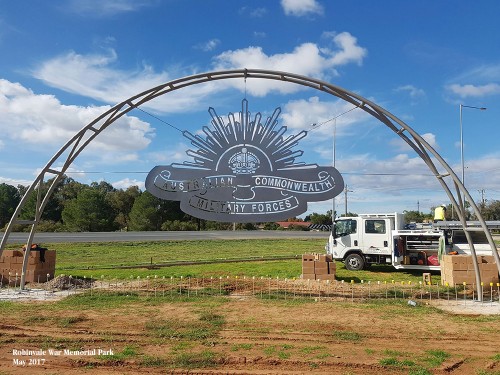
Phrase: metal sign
x=244 y=171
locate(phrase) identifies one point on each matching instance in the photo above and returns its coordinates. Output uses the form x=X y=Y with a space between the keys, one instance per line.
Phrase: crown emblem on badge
x=244 y=162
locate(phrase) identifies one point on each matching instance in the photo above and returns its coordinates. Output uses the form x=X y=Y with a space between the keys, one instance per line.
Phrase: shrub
x=178 y=225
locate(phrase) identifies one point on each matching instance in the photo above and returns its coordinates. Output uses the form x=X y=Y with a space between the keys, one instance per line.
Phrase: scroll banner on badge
x=245 y=198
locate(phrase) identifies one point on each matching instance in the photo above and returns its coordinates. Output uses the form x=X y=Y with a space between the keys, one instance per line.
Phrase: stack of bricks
x=318 y=267
x=11 y=266
x=459 y=269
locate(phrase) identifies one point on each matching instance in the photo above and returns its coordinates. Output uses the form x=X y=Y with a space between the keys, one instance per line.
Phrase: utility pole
x=418 y=206
x=483 y=201
x=345 y=197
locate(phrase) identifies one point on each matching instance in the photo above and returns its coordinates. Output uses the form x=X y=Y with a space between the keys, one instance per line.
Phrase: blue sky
x=63 y=63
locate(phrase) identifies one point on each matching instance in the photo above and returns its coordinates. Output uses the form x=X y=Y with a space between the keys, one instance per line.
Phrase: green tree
x=271 y=225
x=246 y=226
x=491 y=211
x=320 y=219
x=122 y=201
x=52 y=210
x=89 y=212
x=415 y=216
x=103 y=186
x=171 y=210
x=65 y=190
x=349 y=214
x=178 y=225
x=145 y=213
x=9 y=199
x=68 y=189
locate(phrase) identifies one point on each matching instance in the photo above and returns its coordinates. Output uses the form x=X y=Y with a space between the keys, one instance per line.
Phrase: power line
x=318 y=125
x=343 y=173
x=159 y=119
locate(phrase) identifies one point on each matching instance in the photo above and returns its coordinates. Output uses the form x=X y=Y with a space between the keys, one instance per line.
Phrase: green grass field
x=178 y=329
x=100 y=260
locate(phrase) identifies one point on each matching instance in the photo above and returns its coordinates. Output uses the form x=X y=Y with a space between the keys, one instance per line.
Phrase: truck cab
x=363 y=240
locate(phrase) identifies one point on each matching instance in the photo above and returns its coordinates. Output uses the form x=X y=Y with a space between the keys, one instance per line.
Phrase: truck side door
x=345 y=234
x=376 y=236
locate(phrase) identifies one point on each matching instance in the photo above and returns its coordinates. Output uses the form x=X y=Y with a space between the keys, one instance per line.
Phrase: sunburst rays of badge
x=269 y=138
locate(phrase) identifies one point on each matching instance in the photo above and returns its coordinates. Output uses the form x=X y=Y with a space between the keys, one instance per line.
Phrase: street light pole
x=462 y=138
x=469 y=240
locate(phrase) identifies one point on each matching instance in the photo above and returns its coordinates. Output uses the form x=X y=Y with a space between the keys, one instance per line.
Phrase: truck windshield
x=344 y=227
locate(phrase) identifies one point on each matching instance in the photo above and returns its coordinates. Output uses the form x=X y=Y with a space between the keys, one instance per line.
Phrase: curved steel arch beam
x=78 y=143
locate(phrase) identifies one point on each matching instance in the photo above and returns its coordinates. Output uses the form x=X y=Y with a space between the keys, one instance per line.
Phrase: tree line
x=99 y=207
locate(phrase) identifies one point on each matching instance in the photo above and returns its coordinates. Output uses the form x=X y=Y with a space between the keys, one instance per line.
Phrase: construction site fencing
x=260 y=287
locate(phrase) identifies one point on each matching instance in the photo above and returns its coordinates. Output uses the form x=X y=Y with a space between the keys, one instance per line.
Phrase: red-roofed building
x=286 y=224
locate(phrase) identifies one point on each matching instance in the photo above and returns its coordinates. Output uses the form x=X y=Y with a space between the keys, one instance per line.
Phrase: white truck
x=382 y=239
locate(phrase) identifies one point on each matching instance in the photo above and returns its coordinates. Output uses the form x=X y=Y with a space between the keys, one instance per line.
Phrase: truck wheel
x=354 y=262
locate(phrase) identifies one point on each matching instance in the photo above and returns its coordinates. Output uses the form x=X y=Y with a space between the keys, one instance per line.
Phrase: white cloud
x=482 y=173
x=348 y=50
x=317 y=116
x=32 y=119
x=253 y=12
x=99 y=8
x=94 y=76
x=384 y=185
x=415 y=93
x=127 y=182
x=208 y=46
x=465 y=91
x=397 y=173
x=404 y=179
x=401 y=145
x=258 y=12
x=482 y=73
x=15 y=181
x=430 y=138
x=176 y=154
x=301 y=8
x=482 y=81
x=307 y=59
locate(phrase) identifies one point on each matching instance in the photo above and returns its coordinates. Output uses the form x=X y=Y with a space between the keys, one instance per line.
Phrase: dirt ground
x=246 y=335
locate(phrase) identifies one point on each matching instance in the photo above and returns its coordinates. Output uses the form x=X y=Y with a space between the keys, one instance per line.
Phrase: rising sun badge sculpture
x=244 y=171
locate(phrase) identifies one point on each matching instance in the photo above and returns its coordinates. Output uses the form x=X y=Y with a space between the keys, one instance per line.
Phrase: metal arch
x=77 y=144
